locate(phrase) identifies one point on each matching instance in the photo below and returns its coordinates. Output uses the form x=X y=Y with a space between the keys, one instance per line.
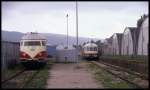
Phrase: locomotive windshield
x=32 y=43
x=91 y=48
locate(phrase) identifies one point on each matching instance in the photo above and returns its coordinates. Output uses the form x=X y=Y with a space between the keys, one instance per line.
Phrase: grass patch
x=138 y=58
x=40 y=79
x=134 y=63
x=108 y=80
x=11 y=71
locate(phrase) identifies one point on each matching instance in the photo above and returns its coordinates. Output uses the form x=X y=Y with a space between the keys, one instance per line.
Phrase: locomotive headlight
x=24 y=54
x=40 y=54
x=95 y=55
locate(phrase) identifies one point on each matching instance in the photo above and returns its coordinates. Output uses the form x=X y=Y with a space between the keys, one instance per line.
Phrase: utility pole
x=77 y=21
x=142 y=41
x=77 y=27
x=67 y=29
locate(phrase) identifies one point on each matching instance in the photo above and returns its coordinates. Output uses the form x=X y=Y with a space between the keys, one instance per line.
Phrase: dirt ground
x=71 y=75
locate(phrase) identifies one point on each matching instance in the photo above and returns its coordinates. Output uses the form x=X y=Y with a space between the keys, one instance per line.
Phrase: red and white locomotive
x=33 y=48
x=90 y=51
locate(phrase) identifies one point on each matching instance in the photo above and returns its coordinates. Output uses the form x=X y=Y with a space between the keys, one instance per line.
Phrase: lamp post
x=77 y=27
x=77 y=21
x=67 y=29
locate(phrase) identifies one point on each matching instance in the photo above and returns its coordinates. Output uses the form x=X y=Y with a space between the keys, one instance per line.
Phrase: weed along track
x=12 y=77
x=31 y=77
x=20 y=79
x=28 y=79
x=133 y=79
x=126 y=70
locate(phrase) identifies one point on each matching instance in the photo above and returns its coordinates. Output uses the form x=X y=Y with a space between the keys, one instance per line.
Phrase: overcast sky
x=96 y=19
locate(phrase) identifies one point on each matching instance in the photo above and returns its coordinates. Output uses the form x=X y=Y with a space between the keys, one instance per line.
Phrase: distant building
x=107 y=46
x=116 y=43
x=129 y=43
x=133 y=41
x=143 y=42
x=64 y=54
x=100 y=47
x=51 y=50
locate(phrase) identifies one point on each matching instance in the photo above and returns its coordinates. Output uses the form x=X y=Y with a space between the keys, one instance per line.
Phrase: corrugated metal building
x=116 y=43
x=64 y=54
x=133 y=41
x=51 y=50
x=143 y=42
x=107 y=47
x=129 y=41
x=10 y=54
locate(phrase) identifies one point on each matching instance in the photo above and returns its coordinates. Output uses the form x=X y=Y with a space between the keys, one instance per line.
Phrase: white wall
x=107 y=48
x=143 y=44
x=115 y=46
x=127 y=43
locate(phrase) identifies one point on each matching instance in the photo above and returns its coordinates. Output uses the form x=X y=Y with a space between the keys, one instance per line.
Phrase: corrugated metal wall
x=66 y=56
x=51 y=50
x=10 y=54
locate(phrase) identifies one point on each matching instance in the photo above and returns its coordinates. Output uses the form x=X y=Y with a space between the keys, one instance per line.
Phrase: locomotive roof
x=90 y=45
x=33 y=36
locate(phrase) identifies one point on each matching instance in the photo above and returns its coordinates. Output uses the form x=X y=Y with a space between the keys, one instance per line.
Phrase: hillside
x=53 y=39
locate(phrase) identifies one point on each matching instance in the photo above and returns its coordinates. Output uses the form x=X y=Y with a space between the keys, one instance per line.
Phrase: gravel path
x=71 y=75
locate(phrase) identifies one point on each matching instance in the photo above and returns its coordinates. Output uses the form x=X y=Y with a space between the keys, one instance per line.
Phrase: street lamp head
x=67 y=15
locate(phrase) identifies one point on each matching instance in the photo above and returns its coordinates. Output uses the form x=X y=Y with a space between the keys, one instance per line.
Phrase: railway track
x=10 y=78
x=27 y=74
x=123 y=75
x=30 y=79
x=126 y=70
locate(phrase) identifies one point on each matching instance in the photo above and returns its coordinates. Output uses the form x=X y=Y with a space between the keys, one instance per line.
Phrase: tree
x=84 y=43
x=140 y=21
x=98 y=42
x=74 y=46
x=92 y=41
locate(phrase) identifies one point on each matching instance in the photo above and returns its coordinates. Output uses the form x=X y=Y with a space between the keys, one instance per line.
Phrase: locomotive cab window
x=91 y=49
x=21 y=43
x=32 y=43
x=95 y=49
x=88 y=48
x=43 y=43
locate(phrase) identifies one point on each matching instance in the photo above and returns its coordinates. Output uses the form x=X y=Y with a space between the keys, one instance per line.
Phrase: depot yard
x=71 y=75
x=64 y=75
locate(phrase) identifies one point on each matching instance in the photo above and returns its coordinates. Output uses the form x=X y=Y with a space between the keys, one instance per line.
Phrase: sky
x=95 y=19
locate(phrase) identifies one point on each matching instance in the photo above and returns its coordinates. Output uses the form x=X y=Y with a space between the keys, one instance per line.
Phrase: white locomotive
x=90 y=50
x=33 y=48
